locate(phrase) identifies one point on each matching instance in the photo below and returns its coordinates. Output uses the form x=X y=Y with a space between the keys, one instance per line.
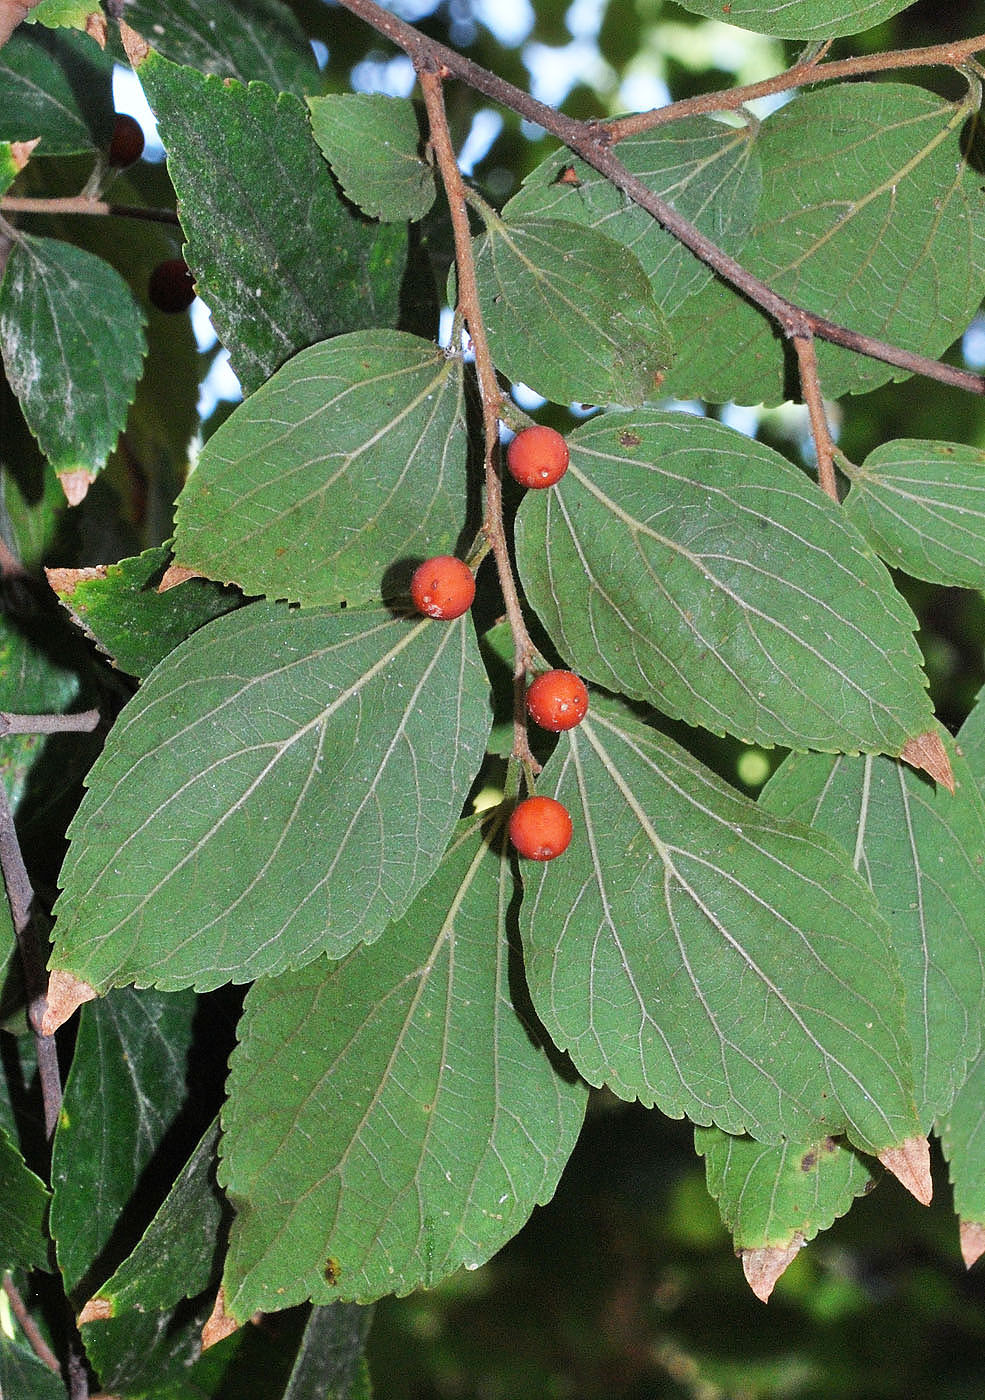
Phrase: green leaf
x=72 y=341
x=668 y=951
x=23 y=1203
x=919 y=849
x=57 y=87
x=870 y=216
x=119 y=607
x=175 y=1257
x=283 y=784
x=73 y=13
x=962 y=1133
x=800 y=19
x=259 y=40
x=569 y=312
x=330 y=1363
x=9 y=169
x=127 y=1082
x=23 y=1375
x=149 y=1354
x=708 y=172
x=281 y=260
x=351 y=459
x=688 y=566
x=373 y=143
x=771 y=1197
x=393 y=1116
x=921 y=505
x=32 y=682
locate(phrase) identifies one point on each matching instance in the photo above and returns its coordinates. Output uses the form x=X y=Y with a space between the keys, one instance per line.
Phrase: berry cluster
x=444 y=587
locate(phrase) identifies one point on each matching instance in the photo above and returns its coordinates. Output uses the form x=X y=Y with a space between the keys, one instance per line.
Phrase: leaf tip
x=927 y=754
x=910 y=1164
x=96 y=1310
x=175 y=574
x=76 y=484
x=66 y=994
x=219 y=1325
x=972 y=1237
x=96 y=27
x=65 y=581
x=135 y=46
x=763 y=1267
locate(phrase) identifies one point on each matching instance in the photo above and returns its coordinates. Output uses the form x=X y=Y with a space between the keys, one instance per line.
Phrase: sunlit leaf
x=921 y=505
x=800 y=19
x=373 y=143
x=348 y=464
x=283 y=784
x=393 y=1116
x=569 y=312
x=685 y=565
x=667 y=950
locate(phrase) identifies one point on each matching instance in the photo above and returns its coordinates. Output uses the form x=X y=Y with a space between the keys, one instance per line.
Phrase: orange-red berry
x=540 y=828
x=171 y=287
x=537 y=457
x=127 y=143
x=557 y=700
x=443 y=587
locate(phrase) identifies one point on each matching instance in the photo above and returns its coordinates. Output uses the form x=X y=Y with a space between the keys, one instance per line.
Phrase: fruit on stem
x=557 y=700
x=443 y=587
x=127 y=143
x=540 y=828
x=537 y=457
x=171 y=287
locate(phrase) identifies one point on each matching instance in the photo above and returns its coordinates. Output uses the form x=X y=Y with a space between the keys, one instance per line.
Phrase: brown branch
x=83 y=204
x=11 y=14
x=82 y=723
x=821 y=433
x=29 y=1327
x=799 y=75
x=489 y=390
x=592 y=141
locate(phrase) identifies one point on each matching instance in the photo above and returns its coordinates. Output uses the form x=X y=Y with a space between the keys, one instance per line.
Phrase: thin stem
x=29 y=1327
x=83 y=204
x=593 y=142
x=801 y=74
x=821 y=433
x=82 y=723
x=489 y=390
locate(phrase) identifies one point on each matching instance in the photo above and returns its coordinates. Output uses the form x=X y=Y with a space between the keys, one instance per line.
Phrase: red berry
x=557 y=700
x=537 y=457
x=443 y=587
x=127 y=144
x=540 y=828
x=171 y=287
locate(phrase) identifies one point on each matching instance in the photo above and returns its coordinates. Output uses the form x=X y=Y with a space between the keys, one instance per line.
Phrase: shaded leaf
x=393 y=1116
x=920 y=850
x=569 y=312
x=125 y=1087
x=921 y=505
x=670 y=956
x=349 y=461
x=870 y=216
x=331 y=1363
x=248 y=39
x=23 y=1375
x=175 y=1257
x=800 y=19
x=688 y=566
x=283 y=784
x=119 y=607
x=73 y=343
x=373 y=143
x=148 y=1354
x=708 y=172
x=58 y=87
x=281 y=260
x=23 y=1203
x=962 y=1132
x=777 y=1197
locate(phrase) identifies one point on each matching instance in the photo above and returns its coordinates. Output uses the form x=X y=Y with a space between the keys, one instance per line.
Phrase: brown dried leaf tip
x=76 y=485
x=928 y=755
x=96 y=1310
x=175 y=574
x=910 y=1164
x=65 y=995
x=972 y=1236
x=763 y=1267
x=65 y=581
